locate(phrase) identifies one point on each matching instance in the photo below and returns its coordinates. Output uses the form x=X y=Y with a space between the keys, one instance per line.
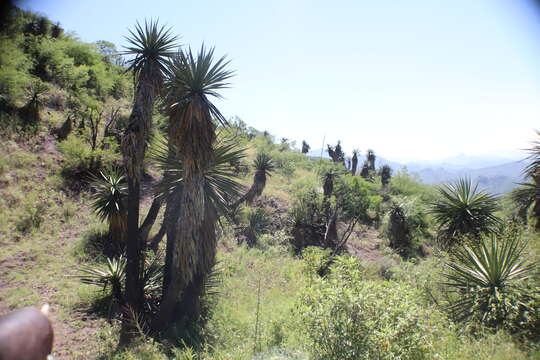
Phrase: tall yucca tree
x=328 y=177
x=264 y=167
x=192 y=81
x=485 y=278
x=110 y=205
x=463 y=209
x=370 y=158
x=386 y=175
x=150 y=46
x=354 y=161
x=528 y=195
x=220 y=185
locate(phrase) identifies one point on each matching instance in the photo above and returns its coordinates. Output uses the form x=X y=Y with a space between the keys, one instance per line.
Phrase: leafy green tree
x=463 y=209
x=151 y=46
x=191 y=82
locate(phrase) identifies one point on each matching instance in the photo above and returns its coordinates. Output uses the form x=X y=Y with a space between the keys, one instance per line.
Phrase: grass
x=37 y=266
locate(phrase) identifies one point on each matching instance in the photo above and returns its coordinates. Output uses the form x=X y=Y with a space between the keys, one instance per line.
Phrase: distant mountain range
x=494 y=174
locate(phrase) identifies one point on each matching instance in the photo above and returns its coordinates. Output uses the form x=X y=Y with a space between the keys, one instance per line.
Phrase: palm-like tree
x=364 y=173
x=484 y=278
x=527 y=196
x=529 y=193
x=150 y=47
x=191 y=82
x=328 y=178
x=31 y=111
x=386 y=175
x=305 y=147
x=110 y=205
x=370 y=158
x=533 y=169
x=354 y=161
x=463 y=209
x=264 y=167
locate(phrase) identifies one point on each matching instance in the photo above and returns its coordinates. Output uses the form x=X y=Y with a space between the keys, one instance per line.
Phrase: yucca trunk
x=117 y=235
x=328 y=187
x=193 y=134
x=536 y=214
x=133 y=149
x=256 y=189
x=190 y=307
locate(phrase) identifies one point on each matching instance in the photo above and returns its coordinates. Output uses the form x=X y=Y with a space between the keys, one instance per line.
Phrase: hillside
x=494 y=174
x=275 y=254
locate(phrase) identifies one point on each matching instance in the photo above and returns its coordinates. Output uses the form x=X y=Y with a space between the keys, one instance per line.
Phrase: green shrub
x=405 y=224
x=31 y=217
x=79 y=159
x=403 y=183
x=345 y=317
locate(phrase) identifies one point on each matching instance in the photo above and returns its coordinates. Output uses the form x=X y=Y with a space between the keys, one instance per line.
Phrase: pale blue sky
x=411 y=79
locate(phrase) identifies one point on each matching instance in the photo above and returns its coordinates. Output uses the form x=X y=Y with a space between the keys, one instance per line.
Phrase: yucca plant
x=533 y=169
x=462 y=209
x=150 y=48
x=220 y=176
x=192 y=81
x=256 y=222
x=31 y=111
x=527 y=196
x=110 y=205
x=328 y=177
x=370 y=159
x=354 y=161
x=110 y=276
x=485 y=280
x=386 y=175
x=264 y=167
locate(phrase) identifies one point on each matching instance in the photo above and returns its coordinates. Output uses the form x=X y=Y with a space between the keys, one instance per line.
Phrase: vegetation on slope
x=310 y=262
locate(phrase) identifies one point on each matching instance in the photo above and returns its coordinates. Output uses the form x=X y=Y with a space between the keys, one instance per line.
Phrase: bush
x=405 y=225
x=79 y=160
x=32 y=215
x=347 y=318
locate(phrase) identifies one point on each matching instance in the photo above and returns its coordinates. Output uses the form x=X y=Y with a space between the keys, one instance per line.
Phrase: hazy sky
x=411 y=79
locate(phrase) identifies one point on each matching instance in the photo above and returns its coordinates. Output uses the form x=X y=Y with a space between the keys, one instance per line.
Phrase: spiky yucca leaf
x=482 y=274
x=220 y=175
x=151 y=46
x=533 y=169
x=525 y=195
x=462 y=209
x=112 y=274
x=111 y=191
x=198 y=76
x=263 y=164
